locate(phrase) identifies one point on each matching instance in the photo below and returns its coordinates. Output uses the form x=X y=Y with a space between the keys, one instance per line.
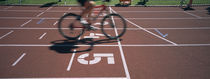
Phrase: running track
x=160 y=43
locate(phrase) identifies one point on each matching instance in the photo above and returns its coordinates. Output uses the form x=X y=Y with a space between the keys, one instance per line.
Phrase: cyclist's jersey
x=82 y=2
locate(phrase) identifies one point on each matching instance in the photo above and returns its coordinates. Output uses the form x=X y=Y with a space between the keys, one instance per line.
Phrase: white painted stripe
x=42 y=35
x=26 y=23
x=74 y=78
x=18 y=59
x=55 y=23
x=40 y=14
x=49 y=8
x=187 y=28
x=6 y=34
x=71 y=61
x=125 y=45
x=148 y=31
x=205 y=18
x=193 y=15
x=121 y=50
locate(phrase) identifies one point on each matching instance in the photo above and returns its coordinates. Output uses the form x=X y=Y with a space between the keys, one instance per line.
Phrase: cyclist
x=86 y=10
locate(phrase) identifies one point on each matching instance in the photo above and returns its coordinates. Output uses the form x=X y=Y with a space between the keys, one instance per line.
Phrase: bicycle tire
x=67 y=26
x=113 y=30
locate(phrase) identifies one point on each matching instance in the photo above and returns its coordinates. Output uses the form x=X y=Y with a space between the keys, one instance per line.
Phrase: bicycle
x=71 y=27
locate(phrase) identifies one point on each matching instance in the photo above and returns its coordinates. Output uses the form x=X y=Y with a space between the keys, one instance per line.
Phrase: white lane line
x=73 y=78
x=71 y=61
x=6 y=34
x=121 y=51
x=187 y=28
x=40 y=14
x=151 y=32
x=193 y=15
x=124 y=45
x=26 y=23
x=148 y=30
x=42 y=36
x=55 y=23
x=18 y=59
x=43 y=12
x=204 y=18
x=49 y=8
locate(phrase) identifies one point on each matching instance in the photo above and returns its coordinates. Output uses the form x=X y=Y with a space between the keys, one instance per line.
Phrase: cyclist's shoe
x=83 y=21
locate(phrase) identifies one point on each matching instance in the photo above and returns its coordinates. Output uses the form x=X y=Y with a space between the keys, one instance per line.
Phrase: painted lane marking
x=26 y=23
x=148 y=30
x=73 y=78
x=161 y=33
x=40 y=21
x=43 y=12
x=97 y=58
x=187 y=28
x=198 y=17
x=121 y=49
x=18 y=60
x=42 y=36
x=71 y=61
x=125 y=45
x=6 y=34
x=40 y=14
x=55 y=23
x=205 y=18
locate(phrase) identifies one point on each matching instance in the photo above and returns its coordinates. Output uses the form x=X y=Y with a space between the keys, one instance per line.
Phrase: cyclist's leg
x=88 y=6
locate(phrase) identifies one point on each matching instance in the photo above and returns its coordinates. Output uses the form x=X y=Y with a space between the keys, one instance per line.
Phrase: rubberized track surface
x=160 y=43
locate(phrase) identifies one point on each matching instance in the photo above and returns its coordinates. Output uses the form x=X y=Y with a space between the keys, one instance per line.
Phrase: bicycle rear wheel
x=69 y=26
x=113 y=26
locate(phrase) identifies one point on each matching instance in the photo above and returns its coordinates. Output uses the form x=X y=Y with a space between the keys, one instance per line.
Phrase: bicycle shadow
x=208 y=10
x=83 y=45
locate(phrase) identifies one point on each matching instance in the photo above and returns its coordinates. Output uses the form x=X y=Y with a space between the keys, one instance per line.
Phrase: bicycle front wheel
x=69 y=26
x=113 y=26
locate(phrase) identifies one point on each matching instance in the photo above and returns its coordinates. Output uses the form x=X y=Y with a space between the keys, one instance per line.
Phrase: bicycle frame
x=102 y=9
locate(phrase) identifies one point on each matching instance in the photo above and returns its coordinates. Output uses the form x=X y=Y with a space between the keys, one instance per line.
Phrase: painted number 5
x=97 y=58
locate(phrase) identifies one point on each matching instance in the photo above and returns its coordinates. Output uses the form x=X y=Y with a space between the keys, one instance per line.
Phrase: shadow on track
x=49 y=4
x=208 y=9
x=83 y=45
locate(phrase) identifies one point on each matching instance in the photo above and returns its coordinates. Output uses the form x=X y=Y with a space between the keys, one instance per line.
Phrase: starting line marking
x=148 y=31
x=73 y=78
x=121 y=50
x=125 y=45
x=18 y=59
x=6 y=34
x=187 y=28
x=42 y=35
x=26 y=23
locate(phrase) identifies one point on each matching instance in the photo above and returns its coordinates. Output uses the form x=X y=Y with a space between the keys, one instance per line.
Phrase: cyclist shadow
x=83 y=45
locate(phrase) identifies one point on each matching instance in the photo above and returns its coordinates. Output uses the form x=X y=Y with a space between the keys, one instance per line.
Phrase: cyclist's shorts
x=82 y=2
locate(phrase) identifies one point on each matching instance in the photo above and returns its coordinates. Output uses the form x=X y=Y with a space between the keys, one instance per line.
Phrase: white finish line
x=125 y=45
x=73 y=78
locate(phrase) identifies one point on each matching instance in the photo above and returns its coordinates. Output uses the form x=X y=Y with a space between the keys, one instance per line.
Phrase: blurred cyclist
x=86 y=10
